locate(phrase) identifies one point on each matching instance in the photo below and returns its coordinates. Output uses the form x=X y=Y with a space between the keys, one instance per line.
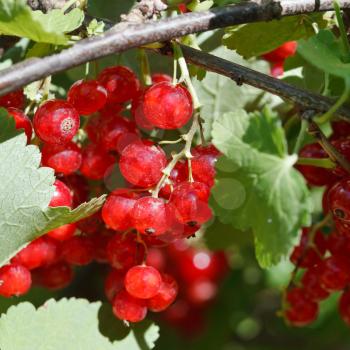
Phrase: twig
x=125 y=36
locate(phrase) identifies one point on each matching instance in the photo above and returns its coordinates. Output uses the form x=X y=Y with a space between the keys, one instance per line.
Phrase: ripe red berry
x=166 y=294
x=123 y=252
x=142 y=281
x=55 y=276
x=338 y=244
x=334 y=273
x=15 y=280
x=137 y=111
x=56 y=121
x=160 y=78
x=141 y=163
x=282 y=52
x=13 y=99
x=41 y=252
x=312 y=286
x=62 y=196
x=96 y=161
x=339 y=200
x=120 y=82
x=64 y=159
x=152 y=216
x=117 y=210
x=128 y=308
x=78 y=250
x=344 y=307
x=22 y=122
x=63 y=232
x=341 y=128
x=87 y=96
x=114 y=283
x=167 y=106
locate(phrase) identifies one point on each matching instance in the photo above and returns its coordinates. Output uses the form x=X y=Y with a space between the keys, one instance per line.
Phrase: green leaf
x=267 y=194
x=95 y=27
x=16 y=18
x=197 y=5
x=25 y=192
x=8 y=126
x=255 y=39
x=68 y=324
x=324 y=51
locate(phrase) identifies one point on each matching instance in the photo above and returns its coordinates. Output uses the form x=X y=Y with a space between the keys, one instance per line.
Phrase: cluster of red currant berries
x=153 y=207
x=325 y=257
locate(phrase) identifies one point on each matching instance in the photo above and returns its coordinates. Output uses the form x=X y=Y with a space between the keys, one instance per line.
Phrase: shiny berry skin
x=120 y=82
x=13 y=99
x=63 y=232
x=142 y=281
x=55 y=276
x=117 y=210
x=141 y=163
x=112 y=129
x=160 y=78
x=314 y=175
x=335 y=273
x=190 y=200
x=56 y=121
x=41 y=252
x=152 y=216
x=22 y=122
x=137 y=111
x=126 y=139
x=282 y=52
x=166 y=294
x=344 y=307
x=339 y=200
x=167 y=106
x=114 y=283
x=87 y=97
x=128 y=308
x=124 y=252
x=78 y=250
x=96 y=162
x=311 y=283
x=64 y=159
x=15 y=280
x=62 y=196
x=301 y=310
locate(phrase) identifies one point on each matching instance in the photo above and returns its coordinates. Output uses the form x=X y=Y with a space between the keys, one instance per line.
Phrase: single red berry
x=62 y=196
x=41 y=252
x=114 y=283
x=282 y=52
x=152 y=216
x=123 y=252
x=142 y=281
x=117 y=210
x=344 y=307
x=78 y=250
x=22 y=121
x=15 y=280
x=56 y=121
x=141 y=163
x=128 y=308
x=13 y=99
x=160 y=78
x=55 y=276
x=334 y=273
x=312 y=286
x=64 y=159
x=96 y=161
x=87 y=96
x=120 y=82
x=166 y=294
x=63 y=232
x=167 y=106
x=182 y=7
x=339 y=200
x=126 y=139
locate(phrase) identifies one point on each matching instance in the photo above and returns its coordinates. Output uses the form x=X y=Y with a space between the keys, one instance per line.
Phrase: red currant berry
x=344 y=307
x=142 y=281
x=63 y=233
x=311 y=283
x=160 y=78
x=152 y=216
x=41 y=252
x=120 y=82
x=96 y=161
x=124 y=252
x=167 y=106
x=56 y=276
x=141 y=163
x=15 y=280
x=166 y=294
x=64 y=159
x=114 y=283
x=56 y=121
x=341 y=128
x=137 y=111
x=78 y=250
x=87 y=96
x=13 y=99
x=62 y=196
x=334 y=273
x=128 y=308
x=282 y=52
x=339 y=200
x=117 y=210
x=22 y=122
x=127 y=139
x=338 y=244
